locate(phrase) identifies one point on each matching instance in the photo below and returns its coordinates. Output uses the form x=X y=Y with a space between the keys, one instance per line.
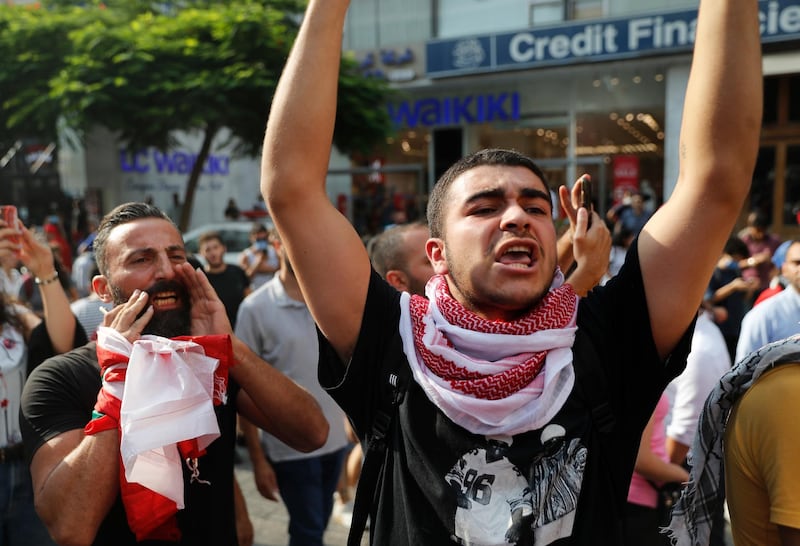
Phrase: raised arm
x=327 y=254
x=719 y=139
x=59 y=320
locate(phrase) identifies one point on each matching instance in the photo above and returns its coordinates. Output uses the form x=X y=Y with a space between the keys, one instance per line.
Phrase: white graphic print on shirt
x=497 y=505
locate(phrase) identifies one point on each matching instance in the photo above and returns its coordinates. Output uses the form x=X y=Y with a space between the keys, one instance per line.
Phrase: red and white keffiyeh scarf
x=491 y=377
x=161 y=393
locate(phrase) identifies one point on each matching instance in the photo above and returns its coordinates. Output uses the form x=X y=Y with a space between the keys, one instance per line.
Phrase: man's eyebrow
x=493 y=193
x=151 y=250
x=498 y=193
x=535 y=193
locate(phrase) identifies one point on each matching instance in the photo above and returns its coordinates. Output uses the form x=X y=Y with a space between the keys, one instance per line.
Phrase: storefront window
x=544 y=12
x=631 y=145
x=791 y=210
x=775 y=190
x=587 y=9
x=469 y=17
x=540 y=139
x=794 y=98
x=373 y=24
x=770 y=115
x=389 y=185
x=763 y=182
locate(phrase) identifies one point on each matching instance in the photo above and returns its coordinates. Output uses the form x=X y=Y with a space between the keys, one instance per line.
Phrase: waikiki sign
x=599 y=40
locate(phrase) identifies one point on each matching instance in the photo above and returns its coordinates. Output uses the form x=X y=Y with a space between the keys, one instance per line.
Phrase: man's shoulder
x=233 y=269
x=85 y=354
x=79 y=364
x=767 y=308
x=85 y=303
x=265 y=293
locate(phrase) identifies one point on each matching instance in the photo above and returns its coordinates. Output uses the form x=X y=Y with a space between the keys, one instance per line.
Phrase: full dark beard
x=173 y=323
x=170 y=323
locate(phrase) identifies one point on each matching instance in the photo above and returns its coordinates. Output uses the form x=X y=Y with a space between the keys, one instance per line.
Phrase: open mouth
x=518 y=256
x=164 y=300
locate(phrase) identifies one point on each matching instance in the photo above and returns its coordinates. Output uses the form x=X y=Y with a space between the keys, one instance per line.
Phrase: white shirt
x=773 y=319
x=707 y=362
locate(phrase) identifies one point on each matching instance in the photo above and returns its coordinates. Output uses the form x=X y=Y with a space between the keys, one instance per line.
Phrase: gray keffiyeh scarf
x=692 y=514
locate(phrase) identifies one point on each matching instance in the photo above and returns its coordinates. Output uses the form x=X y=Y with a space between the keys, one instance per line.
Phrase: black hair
x=122 y=214
x=491 y=157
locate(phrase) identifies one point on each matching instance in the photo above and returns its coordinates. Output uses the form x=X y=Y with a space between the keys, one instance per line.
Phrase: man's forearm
x=299 y=132
x=711 y=136
x=74 y=496
x=279 y=405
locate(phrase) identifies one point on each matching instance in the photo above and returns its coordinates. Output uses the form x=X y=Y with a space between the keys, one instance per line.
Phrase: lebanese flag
x=164 y=391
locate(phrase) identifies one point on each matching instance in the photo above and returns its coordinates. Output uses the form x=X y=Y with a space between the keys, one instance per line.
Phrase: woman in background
x=19 y=523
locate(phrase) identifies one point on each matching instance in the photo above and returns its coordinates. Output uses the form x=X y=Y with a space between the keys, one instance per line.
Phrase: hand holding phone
x=587 y=197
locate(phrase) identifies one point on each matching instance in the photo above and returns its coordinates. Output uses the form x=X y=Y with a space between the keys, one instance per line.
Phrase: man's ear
x=435 y=250
x=398 y=279
x=101 y=288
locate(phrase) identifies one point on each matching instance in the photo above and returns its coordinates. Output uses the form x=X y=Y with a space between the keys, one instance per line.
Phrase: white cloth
x=11 y=282
x=707 y=362
x=13 y=365
x=153 y=420
x=528 y=409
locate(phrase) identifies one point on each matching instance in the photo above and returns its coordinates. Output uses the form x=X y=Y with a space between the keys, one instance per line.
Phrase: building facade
x=582 y=86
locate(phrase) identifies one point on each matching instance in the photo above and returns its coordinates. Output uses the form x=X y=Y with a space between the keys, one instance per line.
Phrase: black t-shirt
x=40 y=346
x=230 y=286
x=568 y=480
x=59 y=396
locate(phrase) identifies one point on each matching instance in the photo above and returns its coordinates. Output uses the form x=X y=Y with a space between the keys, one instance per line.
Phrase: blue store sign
x=599 y=40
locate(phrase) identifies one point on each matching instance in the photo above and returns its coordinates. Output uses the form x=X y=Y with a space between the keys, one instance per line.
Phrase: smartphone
x=9 y=215
x=587 y=197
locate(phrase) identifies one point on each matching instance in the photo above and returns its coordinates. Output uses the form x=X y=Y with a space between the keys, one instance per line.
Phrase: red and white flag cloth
x=491 y=377
x=165 y=390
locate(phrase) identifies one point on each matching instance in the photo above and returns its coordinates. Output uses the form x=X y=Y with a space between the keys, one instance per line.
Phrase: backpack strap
x=375 y=453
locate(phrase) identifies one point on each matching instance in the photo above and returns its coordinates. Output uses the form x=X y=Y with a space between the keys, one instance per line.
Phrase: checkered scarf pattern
x=692 y=514
x=556 y=311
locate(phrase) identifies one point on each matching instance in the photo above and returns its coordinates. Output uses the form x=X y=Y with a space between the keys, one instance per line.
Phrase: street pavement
x=270 y=519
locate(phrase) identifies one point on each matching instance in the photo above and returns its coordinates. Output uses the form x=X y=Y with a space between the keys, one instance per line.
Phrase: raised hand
x=208 y=312
x=130 y=318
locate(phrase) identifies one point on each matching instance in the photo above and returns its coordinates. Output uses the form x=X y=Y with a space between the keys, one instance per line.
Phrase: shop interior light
x=612 y=149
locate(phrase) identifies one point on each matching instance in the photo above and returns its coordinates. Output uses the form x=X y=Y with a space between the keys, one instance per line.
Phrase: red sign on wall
x=626 y=175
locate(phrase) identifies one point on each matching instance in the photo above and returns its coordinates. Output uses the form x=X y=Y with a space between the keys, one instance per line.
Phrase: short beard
x=169 y=324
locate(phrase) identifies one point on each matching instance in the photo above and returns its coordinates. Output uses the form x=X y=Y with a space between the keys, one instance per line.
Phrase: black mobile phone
x=587 y=197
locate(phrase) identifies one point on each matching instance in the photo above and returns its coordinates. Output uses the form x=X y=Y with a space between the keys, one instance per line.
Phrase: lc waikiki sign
x=600 y=40
x=435 y=112
x=174 y=162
